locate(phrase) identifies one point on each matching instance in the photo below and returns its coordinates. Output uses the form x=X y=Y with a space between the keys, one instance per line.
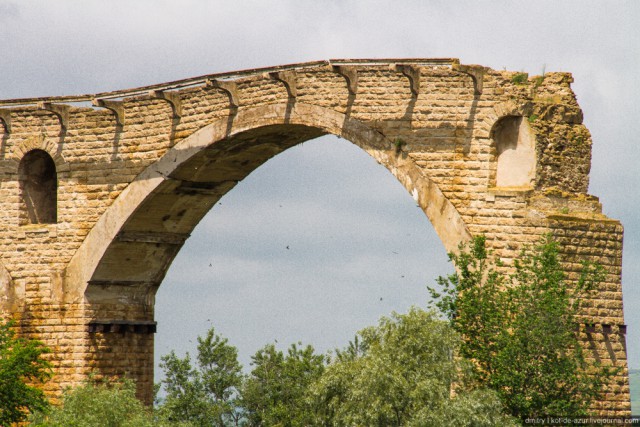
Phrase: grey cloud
x=8 y=10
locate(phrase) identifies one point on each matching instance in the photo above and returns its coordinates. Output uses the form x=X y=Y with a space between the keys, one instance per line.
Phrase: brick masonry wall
x=130 y=193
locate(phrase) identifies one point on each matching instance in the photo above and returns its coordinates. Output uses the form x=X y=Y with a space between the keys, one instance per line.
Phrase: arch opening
x=38 y=187
x=326 y=253
x=515 y=152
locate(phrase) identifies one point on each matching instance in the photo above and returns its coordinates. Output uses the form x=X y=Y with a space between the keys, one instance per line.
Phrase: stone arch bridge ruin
x=99 y=192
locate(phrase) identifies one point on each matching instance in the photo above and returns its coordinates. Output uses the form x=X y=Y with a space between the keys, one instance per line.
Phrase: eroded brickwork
x=137 y=171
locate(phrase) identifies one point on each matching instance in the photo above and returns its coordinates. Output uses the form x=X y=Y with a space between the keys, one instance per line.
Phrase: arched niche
x=39 y=187
x=515 y=152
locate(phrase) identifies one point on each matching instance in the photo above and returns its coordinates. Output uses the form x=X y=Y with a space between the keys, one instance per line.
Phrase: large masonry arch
x=134 y=242
x=143 y=166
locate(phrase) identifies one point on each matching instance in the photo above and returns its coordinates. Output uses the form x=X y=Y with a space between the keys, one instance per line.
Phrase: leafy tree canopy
x=21 y=364
x=99 y=403
x=403 y=373
x=510 y=344
x=205 y=395
x=274 y=393
x=520 y=329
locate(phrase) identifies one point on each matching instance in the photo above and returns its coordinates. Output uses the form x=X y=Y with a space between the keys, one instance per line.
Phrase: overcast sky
x=321 y=241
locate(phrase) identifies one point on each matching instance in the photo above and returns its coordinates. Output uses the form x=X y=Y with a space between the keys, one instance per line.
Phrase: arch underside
x=128 y=252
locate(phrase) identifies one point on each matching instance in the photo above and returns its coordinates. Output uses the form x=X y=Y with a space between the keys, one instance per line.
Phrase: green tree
x=403 y=373
x=21 y=364
x=274 y=394
x=98 y=403
x=204 y=395
x=520 y=329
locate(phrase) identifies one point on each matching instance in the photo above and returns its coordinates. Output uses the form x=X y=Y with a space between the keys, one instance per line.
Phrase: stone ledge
x=122 y=326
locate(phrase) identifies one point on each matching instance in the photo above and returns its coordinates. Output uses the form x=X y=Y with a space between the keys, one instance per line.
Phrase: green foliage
x=98 y=403
x=398 y=143
x=274 y=394
x=21 y=362
x=401 y=373
x=206 y=395
x=509 y=343
x=537 y=81
x=520 y=329
x=532 y=118
x=520 y=78
x=216 y=393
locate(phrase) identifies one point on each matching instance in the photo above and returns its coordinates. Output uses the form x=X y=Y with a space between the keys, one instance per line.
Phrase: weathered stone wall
x=136 y=173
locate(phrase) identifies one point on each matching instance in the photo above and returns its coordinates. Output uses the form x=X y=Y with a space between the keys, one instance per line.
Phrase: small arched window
x=39 y=187
x=515 y=152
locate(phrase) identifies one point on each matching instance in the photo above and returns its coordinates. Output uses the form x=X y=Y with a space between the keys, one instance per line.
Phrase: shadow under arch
x=129 y=250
